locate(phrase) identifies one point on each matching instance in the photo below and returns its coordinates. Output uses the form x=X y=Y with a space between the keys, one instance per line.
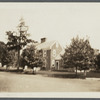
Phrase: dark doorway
x=57 y=65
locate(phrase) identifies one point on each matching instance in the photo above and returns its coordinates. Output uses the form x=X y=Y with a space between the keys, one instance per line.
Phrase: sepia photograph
x=49 y=47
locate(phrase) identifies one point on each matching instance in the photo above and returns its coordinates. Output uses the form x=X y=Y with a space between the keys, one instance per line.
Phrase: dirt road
x=12 y=82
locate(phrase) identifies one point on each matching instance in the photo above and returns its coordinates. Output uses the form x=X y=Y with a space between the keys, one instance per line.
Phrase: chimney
x=43 y=40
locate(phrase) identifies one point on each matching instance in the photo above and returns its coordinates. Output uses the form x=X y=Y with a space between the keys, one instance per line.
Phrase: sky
x=55 y=21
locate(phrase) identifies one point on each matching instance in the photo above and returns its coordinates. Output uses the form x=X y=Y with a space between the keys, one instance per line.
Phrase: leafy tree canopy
x=31 y=57
x=17 y=40
x=97 y=61
x=3 y=52
x=79 y=54
x=6 y=57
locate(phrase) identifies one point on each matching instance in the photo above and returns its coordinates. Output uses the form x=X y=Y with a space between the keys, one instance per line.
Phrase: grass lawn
x=93 y=74
x=59 y=74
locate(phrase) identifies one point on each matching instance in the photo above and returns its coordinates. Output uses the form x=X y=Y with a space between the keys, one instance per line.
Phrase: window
x=54 y=53
x=53 y=63
x=44 y=53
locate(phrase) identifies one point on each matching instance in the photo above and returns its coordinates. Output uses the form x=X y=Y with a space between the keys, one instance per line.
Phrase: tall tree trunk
x=85 y=73
x=23 y=67
x=6 y=68
x=18 y=60
x=19 y=53
x=76 y=71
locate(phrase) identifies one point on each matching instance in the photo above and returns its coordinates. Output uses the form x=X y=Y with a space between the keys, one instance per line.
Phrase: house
x=58 y=60
x=51 y=53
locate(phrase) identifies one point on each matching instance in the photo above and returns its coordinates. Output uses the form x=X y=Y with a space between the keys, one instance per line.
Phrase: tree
x=17 y=40
x=6 y=57
x=79 y=54
x=12 y=58
x=97 y=61
x=2 y=49
x=3 y=52
x=31 y=57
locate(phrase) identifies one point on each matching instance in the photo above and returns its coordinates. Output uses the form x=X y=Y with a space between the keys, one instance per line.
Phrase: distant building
x=52 y=51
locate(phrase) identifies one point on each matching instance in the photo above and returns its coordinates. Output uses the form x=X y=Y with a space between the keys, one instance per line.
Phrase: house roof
x=58 y=57
x=45 y=45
